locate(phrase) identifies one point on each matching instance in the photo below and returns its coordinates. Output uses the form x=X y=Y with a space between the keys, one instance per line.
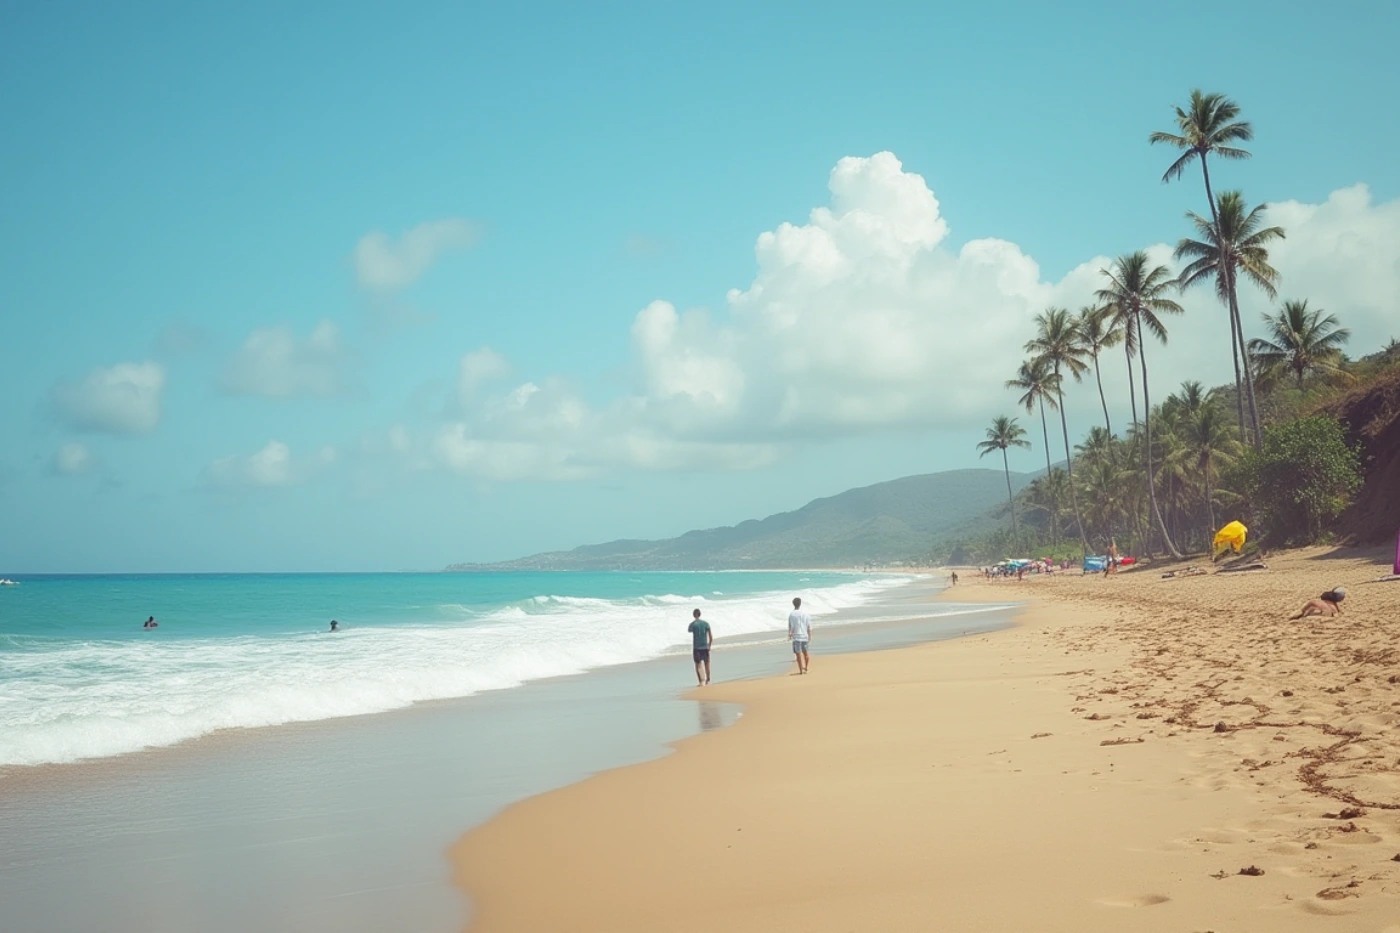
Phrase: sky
x=358 y=286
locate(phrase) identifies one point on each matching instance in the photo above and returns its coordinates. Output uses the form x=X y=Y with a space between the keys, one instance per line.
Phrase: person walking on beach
x=799 y=633
x=702 y=639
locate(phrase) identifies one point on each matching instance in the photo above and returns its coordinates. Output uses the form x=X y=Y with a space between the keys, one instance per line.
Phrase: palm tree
x=1098 y=446
x=1103 y=483
x=1097 y=334
x=1303 y=341
x=1190 y=399
x=1045 y=493
x=1057 y=342
x=1208 y=126
x=1210 y=446
x=1135 y=286
x=1120 y=318
x=1039 y=386
x=1233 y=241
x=1004 y=433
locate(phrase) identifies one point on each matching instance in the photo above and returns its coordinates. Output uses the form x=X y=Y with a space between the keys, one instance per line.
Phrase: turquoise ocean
x=81 y=679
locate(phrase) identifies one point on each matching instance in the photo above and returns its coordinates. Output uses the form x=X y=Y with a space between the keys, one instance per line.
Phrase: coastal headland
x=1138 y=753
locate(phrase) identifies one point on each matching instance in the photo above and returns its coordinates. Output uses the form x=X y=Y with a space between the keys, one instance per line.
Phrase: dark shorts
x=701 y=654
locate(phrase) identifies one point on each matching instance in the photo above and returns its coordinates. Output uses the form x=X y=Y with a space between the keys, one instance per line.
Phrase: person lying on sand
x=1328 y=604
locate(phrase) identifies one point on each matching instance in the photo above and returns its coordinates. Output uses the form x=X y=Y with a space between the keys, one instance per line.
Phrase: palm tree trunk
x=1205 y=173
x=1049 y=486
x=1069 y=471
x=1010 y=499
x=1239 y=382
x=1210 y=509
x=1132 y=394
x=1248 y=370
x=1147 y=448
x=1102 y=400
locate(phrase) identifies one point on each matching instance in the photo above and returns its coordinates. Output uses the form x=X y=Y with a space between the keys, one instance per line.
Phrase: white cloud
x=121 y=399
x=1342 y=255
x=73 y=459
x=274 y=362
x=273 y=465
x=865 y=319
x=478 y=368
x=382 y=262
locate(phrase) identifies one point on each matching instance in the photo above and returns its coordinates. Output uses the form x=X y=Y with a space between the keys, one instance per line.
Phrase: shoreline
x=1058 y=775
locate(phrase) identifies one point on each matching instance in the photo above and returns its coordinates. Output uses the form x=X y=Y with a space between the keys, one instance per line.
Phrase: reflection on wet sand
x=711 y=715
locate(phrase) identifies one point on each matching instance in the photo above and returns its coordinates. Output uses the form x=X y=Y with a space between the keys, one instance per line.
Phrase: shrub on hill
x=1303 y=478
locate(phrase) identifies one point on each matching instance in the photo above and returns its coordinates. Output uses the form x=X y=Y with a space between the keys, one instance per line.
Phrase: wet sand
x=1139 y=753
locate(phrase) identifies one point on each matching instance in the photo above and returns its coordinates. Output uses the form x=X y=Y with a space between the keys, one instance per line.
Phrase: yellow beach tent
x=1231 y=536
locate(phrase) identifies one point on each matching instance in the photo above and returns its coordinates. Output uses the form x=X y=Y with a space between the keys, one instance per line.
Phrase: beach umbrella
x=1231 y=536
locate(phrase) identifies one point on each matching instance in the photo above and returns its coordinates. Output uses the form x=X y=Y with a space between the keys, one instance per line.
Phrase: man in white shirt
x=799 y=633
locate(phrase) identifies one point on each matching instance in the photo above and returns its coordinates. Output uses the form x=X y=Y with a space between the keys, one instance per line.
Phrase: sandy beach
x=1138 y=753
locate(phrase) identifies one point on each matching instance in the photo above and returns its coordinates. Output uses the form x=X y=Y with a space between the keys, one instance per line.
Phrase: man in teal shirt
x=702 y=638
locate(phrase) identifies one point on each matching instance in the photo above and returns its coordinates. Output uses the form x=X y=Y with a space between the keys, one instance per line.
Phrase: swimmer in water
x=335 y=626
x=150 y=622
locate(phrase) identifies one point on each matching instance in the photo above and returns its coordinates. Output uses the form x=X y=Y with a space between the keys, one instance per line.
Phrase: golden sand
x=1139 y=753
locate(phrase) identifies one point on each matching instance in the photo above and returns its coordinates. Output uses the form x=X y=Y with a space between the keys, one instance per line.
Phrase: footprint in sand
x=1139 y=900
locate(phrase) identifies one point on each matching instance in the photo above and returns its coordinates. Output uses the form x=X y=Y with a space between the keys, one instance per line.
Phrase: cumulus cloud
x=386 y=263
x=865 y=318
x=1342 y=255
x=273 y=465
x=73 y=459
x=276 y=363
x=121 y=399
x=478 y=368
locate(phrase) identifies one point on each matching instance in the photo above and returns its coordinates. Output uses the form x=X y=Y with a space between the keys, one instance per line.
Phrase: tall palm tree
x=1303 y=341
x=1142 y=289
x=1097 y=334
x=1209 y=125
x=1057 y=342
x=1039 y=386
x=1004 y=433
x=1233 y=241
x=1120 y=318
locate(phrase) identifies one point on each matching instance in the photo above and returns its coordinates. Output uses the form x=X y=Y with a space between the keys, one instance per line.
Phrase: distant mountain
x=888 y=521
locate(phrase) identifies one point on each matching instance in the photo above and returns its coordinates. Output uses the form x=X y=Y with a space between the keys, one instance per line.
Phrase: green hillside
x=887 y=521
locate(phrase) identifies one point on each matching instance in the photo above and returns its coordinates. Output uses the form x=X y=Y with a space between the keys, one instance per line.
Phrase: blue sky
x=351 y=286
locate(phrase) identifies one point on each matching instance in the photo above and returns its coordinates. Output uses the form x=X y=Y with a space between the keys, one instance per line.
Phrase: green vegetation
x=1267 y=449
x=1302 y=479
